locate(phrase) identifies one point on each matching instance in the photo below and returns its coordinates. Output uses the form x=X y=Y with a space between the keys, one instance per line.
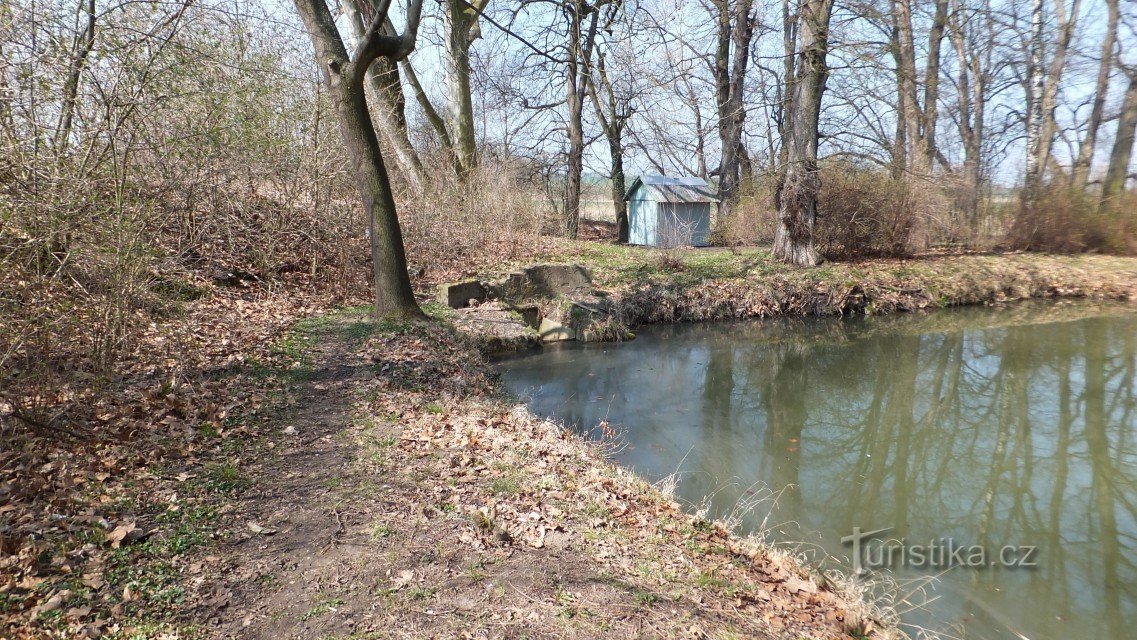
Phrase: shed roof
x=675 y=189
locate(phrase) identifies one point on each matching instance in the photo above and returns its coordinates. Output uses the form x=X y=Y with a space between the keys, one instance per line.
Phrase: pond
x=1004 y=438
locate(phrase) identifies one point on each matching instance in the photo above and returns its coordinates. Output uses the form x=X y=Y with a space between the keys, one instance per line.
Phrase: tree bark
x=1101 y=89
x=1048 y=127
x=971 y=95
x=84 y=42
x=793 y=241
x=932 y=86
x=1119 y=158
x=344 y=77
x=579 y=53
x=619 y=188
x=1034 y=97
x=613 y=120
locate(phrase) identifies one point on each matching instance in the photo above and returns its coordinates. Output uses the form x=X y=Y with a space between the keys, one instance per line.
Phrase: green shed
x=668 y=211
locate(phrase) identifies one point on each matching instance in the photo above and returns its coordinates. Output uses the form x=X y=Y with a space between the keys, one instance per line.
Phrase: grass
x=225 y=477
x=322 y=607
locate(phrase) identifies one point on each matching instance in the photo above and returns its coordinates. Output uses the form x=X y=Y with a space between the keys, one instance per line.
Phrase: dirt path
x=275 y=581
x=406 y=502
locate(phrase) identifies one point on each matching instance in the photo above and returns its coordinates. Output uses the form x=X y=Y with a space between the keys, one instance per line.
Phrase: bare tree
x=1101 y=90
x=462 y=29
x=1048 y=127
x=613 y=112
x=1034 y=85
x=582 y=21
x=344 y=77
x=734 y=30
x=389 y=103
x=1118 y=172
x=916 y=129
x=797 y=206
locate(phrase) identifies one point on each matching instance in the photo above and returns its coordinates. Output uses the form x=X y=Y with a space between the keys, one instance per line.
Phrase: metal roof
x=675 y=189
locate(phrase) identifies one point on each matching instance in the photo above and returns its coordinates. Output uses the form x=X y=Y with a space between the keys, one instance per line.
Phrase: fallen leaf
x=124 y=533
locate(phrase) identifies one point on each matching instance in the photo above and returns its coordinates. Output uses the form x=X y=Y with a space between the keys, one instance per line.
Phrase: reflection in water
x=944 y=426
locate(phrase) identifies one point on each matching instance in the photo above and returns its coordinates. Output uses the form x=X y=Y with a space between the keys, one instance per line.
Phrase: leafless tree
x=344 y=75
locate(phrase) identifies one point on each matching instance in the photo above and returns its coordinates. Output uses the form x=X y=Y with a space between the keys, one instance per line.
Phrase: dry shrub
x=753 y=219
x=459 y=225
x=1064 y=220
x=864 y=212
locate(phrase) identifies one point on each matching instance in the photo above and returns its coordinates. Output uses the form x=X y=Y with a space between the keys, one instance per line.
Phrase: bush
x=753 y=220
x=495 y=214
x=1065 y=220
x=864 y=212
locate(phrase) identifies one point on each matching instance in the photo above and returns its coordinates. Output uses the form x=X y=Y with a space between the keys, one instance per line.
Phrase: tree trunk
x=909 y=106
x=616 y=148
x=394 y=297
x=793 y=241
x=390 y=106
x=580 y=52
x=1122 y=153
x=971 y=96
x=1086 y=152
x=1048 y=127
x=932 y=86
x=84 y=42
x=460 y=107
x=1034 y=95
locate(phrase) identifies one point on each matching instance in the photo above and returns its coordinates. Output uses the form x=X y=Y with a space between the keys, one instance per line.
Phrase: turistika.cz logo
x=872 y=551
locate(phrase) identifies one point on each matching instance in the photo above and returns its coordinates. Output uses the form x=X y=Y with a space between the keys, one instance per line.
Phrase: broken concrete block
x=457 y=295
x=553 y=331
x=544 y=281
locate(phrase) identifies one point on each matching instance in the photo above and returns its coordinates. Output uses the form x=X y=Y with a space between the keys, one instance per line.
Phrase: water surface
x=1000 y=428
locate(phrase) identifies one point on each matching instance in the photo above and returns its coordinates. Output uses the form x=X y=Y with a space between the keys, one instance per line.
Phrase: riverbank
x=633 y=286
x=691 y=285
x=342 y=479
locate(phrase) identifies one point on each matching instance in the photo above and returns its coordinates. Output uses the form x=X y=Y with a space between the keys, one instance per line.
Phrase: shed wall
x=683 y=223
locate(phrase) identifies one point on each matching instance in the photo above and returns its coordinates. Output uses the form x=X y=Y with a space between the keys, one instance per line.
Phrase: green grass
x=322 y=607
x=506 y=485
x=225 y=477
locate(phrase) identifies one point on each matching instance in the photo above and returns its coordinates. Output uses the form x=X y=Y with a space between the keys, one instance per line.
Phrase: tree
x=916 y=130
x=1048 y=127
x=344 y=77
x=581 y=39
x=613 y=116
x=386 y=87
x=800 y=184
x=461 y=31
x=1034 y=87
x=734 y=30
x=1118 y=171
x=1101 y=89
x=613 y=111
x=971 y=32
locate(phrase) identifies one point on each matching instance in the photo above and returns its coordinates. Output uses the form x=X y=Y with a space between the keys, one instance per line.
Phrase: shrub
x=1064 y=220
x=495 y=214
x=753 y=218
x=864 y=212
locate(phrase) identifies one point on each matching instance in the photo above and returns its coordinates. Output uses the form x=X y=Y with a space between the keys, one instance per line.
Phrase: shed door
x=641 y=220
